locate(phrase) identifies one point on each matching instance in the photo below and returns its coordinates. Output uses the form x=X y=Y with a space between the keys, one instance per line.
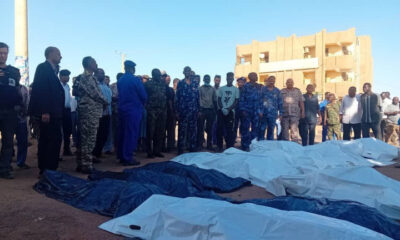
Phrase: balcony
x=339 y=63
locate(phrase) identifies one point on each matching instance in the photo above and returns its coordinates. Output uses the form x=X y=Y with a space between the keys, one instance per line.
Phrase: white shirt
x=351 y=110
x=390 y=109
x=385 y=103
x=67 y=94
x=74 y=104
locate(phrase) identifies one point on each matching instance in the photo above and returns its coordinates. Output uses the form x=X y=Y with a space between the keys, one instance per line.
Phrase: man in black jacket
x=371 y=117
x=47 y=106
x=9 y=100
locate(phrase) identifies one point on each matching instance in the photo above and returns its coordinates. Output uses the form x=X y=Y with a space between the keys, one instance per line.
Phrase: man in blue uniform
x=250 y=111
x=131 y=98
x=187 y=108
x=272 y=108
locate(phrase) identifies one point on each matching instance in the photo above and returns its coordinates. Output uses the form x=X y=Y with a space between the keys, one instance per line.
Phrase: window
x=264 y=57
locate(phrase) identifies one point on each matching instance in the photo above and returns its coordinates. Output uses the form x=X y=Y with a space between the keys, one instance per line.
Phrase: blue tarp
x=354 y=212
x=118 y=193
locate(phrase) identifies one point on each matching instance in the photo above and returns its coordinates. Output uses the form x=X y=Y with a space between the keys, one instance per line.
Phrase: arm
x=326 y=117
x=280 y=105
x=41 y=89
x=301 y=104
x=141 y=92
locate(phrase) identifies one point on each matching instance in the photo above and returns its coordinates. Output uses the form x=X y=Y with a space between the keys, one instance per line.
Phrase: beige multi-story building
x=331 y=61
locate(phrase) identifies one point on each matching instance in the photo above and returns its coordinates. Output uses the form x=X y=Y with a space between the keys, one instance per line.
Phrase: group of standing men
x=123 y=111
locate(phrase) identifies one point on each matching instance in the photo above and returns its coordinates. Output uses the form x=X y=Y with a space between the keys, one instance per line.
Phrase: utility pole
x=123 y=56
x=21 y=39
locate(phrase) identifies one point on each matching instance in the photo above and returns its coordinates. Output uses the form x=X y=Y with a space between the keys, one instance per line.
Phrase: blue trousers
x=187 y=125
x=22 y=142
x=129 y=127
x=267 y=123
x=109 y=143
x=324 y=132
x=248 y=120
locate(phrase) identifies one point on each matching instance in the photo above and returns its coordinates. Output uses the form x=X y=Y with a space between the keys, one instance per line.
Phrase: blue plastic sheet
x=118 y=193
x=354 y=212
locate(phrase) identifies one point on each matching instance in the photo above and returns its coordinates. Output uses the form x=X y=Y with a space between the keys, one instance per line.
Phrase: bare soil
x=26 y=214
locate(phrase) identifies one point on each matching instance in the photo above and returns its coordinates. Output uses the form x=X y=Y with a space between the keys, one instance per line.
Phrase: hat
x=129 y=63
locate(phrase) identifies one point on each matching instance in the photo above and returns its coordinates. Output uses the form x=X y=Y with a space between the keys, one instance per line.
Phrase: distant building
x=332 y=61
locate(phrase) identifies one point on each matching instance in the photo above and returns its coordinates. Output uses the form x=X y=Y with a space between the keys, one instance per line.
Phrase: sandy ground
x=26 y=214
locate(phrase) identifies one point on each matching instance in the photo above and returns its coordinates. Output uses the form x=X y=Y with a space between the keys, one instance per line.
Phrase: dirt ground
x=26 y=214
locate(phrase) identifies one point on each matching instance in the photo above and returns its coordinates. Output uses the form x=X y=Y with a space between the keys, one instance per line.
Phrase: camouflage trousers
x=335 y=129
x=291 y=124
x=88 y=126
x=392 y=132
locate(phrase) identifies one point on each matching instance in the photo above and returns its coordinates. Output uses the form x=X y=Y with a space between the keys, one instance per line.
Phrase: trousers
x=347 y=130
x=156 y=120
x=187 y=129
x=8 y=124
x=88 y=126
x=392 y=133
x=267 y=124
x=334 y=130
x=102 y=134
x=248 y=120
x=206 y=118
x=225 y=128
x=67 y=129
x=307 y=132
x=49 y=144
x=129 y=126
x=21 y=135
x=290 y=123
x=376 y=129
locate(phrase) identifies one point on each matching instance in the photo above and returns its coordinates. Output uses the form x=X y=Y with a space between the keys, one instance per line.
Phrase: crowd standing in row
x=141 y=113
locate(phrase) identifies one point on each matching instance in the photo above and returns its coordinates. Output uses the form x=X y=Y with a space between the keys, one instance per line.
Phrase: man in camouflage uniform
x=250 y=110
x=332 y=118
x=293 y=110
x=90 y=110
x=187 y=108
x=156 y=113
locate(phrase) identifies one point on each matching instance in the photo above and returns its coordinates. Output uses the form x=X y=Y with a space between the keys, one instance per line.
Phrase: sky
x=202 y=34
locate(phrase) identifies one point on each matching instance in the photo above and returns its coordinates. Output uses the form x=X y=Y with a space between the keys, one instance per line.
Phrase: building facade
x=331 y=61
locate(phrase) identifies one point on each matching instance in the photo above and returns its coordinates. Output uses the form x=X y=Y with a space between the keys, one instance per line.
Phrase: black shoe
x=210 y=148
x=220 y=149
x=87 y=170
x=24 y=166
x=159 y=155
x=96 y=160
x=7 y=175
x=180 y=152
x=193 y=150
x=150 y=155
x=78 y=169
x=134 y=163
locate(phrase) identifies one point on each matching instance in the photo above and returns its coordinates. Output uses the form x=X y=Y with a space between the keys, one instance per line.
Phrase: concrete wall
x=327 y=47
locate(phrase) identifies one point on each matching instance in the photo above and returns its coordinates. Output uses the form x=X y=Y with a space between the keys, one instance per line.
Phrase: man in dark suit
x=47 y=106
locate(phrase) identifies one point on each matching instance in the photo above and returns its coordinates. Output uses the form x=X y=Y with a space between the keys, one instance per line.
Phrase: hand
x=303 y=115
x=280 y=118
x=46 y=118
x=261 y=114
